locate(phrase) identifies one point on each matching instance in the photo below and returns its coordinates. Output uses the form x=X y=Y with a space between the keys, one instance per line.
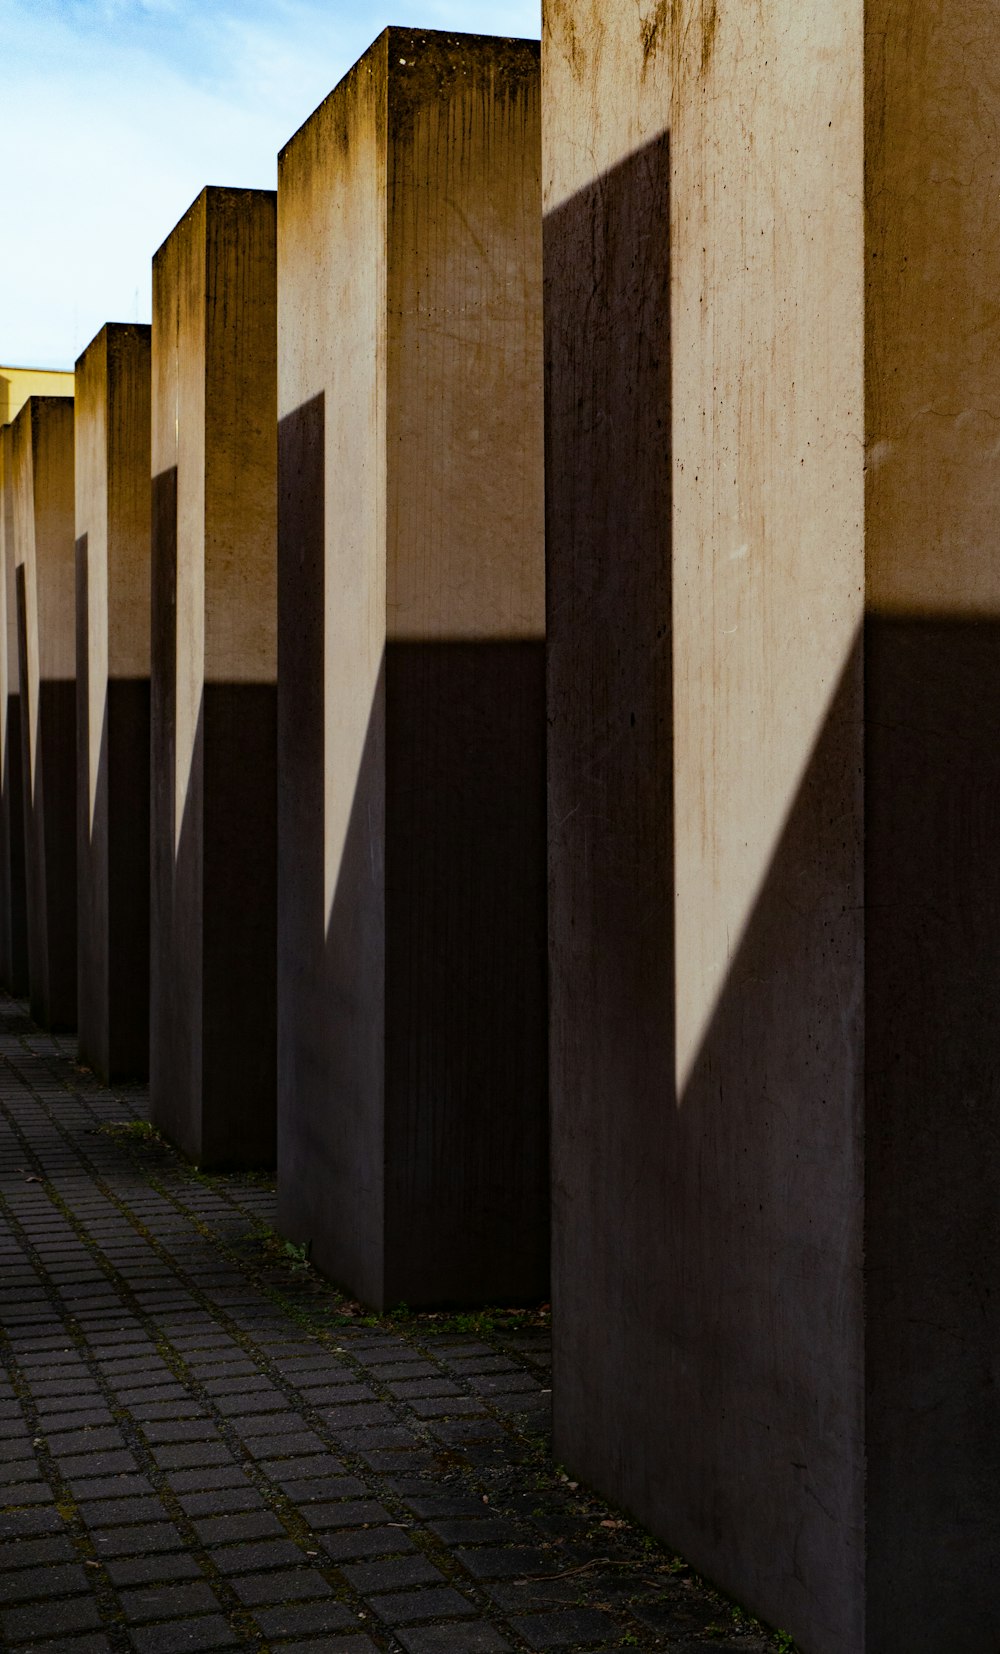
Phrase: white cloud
x=116 y=114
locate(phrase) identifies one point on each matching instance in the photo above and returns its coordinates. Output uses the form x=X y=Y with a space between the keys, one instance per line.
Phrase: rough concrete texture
x=13 y=908
x=113 y=620
x=212 y=1016
x=773 y=689
x=412 y=1062
x=42 y=477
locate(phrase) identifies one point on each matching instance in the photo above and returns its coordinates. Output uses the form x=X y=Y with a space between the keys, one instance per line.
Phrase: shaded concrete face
x=13 y=909
x=412 y=1064
x=932 y=888
x=212 y=1031
x=113 y=625
x=771 y=520
x=42 y=470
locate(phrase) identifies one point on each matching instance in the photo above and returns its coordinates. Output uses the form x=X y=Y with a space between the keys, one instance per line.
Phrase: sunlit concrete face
x=773 y=691
x=42 y=478
x=212 y=1041
x=113 y=625
x=13 y=911
x=412 y=1069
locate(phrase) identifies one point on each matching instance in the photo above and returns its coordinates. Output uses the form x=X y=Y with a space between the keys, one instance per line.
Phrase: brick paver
x=203 y=1446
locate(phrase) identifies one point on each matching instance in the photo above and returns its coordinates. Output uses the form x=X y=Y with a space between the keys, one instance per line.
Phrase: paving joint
x=251 y=1466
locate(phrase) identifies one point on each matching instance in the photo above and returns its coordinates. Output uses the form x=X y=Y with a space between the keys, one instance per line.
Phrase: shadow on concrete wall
x=932 y=1137
x=214 y=921
x=13 y=906
x=610 y=695
x=49 y=838
x=776 y=1315
x=113 y=865
x=412 y=1016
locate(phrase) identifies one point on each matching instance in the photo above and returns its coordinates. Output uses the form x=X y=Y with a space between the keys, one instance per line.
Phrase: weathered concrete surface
x=42 y=472
x=113 y=621
x=13 y=908
x=775 y=941
x=412 y=1064
x=212 y=1027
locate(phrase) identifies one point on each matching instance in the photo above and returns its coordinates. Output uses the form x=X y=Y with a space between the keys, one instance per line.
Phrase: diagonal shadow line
x=775 y=1318
x=113 y=935
x=43 y=441
x=50 y=839
x=213 y=914
x=13 y=908
x=34 y=867
x=14 y=945
x=412 y=1045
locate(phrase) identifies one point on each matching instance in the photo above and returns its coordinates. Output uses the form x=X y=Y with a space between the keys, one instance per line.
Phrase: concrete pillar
x=42 y=472
x=13 y=909
x=212 y=1012
x=772 y=255
x=112 y=616
x=412 y=1066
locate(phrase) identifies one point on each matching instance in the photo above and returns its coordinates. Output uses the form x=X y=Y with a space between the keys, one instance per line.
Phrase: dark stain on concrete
x=434 y=65
x=652 y=30
x=709 y=26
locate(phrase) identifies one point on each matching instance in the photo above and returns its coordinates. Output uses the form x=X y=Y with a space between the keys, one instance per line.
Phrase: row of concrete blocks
x=773 y=766
x=283 y=765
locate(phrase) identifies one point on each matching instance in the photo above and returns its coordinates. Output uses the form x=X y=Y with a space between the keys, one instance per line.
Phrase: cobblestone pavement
x=202 y=1448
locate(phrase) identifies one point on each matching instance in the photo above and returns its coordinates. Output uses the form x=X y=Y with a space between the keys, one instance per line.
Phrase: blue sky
x=116 y=112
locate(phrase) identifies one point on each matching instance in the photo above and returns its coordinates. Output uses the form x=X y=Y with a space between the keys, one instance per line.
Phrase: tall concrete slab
x=213 y=807
x=13 y=908
x=412 y=1054
x=112 y=652
x=774 y=575
x=42 y=478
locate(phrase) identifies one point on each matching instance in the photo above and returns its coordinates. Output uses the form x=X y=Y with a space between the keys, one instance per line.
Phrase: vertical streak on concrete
x=13 y=910
x=412 y=1073
x=45 y=585
x=775 y=898
x=212 y=1041
x=113 y=623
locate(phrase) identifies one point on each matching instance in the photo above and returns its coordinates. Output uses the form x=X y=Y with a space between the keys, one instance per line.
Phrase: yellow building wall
x=17 y=384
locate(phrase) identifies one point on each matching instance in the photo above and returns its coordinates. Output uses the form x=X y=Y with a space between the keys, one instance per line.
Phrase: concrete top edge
x=35 y=404
x=395 y=34
x=205 y=194
x=109 y=329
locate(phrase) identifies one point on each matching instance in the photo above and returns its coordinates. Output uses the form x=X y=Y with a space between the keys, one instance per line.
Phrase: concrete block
x=771 y=261
x=17 y=384
x=13 y=909
x=113 y=623
x=412 y=1062
x=42 y=477
x=213 y=854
